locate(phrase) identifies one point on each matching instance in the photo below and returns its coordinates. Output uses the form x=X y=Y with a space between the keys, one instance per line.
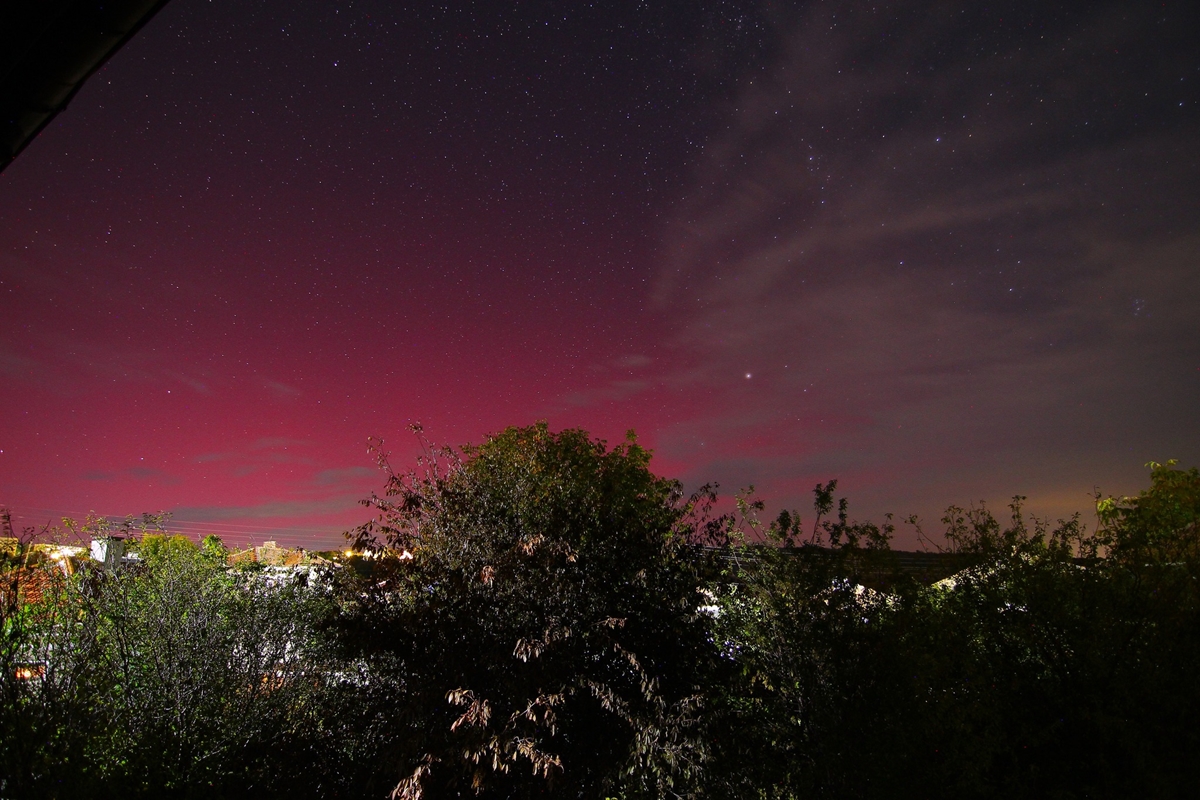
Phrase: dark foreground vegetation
x=570 y=625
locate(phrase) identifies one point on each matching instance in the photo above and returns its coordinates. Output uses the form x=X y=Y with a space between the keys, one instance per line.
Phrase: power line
x=173 y=522
x=234 y=532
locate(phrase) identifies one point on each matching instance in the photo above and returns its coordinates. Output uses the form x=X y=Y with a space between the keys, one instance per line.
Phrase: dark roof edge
x=82 y=58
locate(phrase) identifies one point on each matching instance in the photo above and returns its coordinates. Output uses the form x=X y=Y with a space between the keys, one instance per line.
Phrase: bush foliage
x=541 y=615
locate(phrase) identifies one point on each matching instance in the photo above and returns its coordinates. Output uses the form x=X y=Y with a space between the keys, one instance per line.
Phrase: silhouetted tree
x=545 y=632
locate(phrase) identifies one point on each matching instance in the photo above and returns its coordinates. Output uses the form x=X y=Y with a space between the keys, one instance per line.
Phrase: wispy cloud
x=260 y=455
x=279 y=510
x=355 y=477
x=281 y=390
x=321 y=505
x=914 y=265
x=135 y=473
x=612 y=391
x=276 y=442
x=69 y=365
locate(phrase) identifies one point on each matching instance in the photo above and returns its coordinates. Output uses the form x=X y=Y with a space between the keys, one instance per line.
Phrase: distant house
x=65 y=556
x=240 y=557
x=271 y=554
x=108 y=551
x=25 y=585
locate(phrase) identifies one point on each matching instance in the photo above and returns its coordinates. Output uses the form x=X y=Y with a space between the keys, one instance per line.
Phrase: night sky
x=940 y=252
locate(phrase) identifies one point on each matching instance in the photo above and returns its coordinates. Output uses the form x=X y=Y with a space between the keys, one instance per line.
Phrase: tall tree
x=545 y=631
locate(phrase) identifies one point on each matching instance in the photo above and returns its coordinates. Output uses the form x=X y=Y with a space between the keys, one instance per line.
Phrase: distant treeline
x=542 y=616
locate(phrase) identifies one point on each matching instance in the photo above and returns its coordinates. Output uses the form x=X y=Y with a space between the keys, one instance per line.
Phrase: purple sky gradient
x=942 y=255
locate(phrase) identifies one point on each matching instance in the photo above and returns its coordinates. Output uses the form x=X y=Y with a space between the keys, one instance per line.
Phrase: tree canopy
x=542 y=615
x=546 y=629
